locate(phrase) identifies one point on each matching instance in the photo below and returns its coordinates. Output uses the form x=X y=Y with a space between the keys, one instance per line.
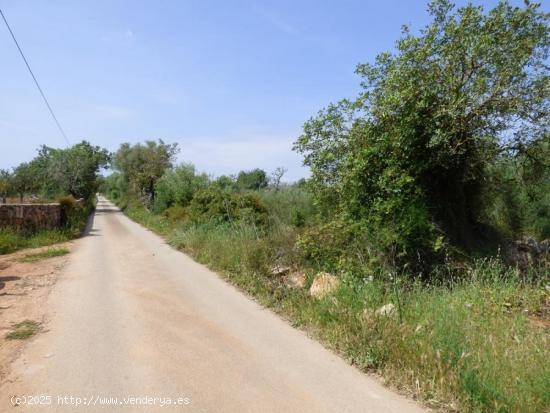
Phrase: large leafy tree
x=409 y=156
x=142 y=165
x=71 y=171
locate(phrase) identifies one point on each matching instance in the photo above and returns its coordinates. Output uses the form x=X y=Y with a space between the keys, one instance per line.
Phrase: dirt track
x=131 y=317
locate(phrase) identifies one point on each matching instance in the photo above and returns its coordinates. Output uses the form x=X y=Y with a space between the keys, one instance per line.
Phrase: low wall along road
x=30 y=216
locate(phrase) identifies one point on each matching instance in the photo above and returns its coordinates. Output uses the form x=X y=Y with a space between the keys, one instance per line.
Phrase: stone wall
x=30 y=216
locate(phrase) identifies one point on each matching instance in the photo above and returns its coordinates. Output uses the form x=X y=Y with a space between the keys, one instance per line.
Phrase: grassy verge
x=49 y=253
x=74 y=217
x=11 y=240
x=23 y=330
x=471 y=346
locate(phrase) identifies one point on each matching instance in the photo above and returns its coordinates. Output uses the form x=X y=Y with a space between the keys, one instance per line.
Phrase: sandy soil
x=24 y=288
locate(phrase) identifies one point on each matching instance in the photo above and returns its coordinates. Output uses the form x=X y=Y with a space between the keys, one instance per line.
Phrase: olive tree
x=142 y=165
x=409 y=156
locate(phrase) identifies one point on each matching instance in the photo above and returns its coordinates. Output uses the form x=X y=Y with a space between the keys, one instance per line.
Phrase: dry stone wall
x=30 y=216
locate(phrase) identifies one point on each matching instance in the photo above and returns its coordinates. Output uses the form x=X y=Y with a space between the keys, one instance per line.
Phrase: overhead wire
x=35 y=80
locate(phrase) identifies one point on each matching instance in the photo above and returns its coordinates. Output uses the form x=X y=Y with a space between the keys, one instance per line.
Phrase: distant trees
x=25 y=179
x=409 y=158
x=177 y=186
x=252 y=180
x=6 y=184
x=277 y=176
x=71 y=171
x=54 y=173
x=142 y=165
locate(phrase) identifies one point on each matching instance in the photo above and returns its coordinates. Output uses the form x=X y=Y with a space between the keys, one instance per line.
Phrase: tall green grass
x=12 y=240
x=467 y=346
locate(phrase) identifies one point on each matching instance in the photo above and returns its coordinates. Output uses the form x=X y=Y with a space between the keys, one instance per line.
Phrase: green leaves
x=142 y=165
x=411 y=152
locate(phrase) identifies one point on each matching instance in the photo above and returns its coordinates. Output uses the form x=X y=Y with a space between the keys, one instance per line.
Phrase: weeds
x=49 y=253
x=464 y=346
x=11 y=241
x=23 y=330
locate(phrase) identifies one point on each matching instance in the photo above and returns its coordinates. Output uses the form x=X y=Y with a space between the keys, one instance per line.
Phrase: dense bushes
x=468 y=344
x=74 y=214
x=177 y=187
x=409 y=159
x=216 y=205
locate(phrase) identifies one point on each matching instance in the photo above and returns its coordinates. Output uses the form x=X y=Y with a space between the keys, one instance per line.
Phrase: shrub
x=177 y=187
x=252 y=180
x=74 y=215
x=409 y=156
x=215 y=205
x=339 y=246
x=290 y=205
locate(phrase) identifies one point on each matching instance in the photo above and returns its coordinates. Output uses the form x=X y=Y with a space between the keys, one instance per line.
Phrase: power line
x=35 y=81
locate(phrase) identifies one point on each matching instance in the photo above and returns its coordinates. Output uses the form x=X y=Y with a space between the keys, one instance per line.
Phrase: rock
x=526 y=252
x=279 y=270
x=323 y=284
x=387 y=310
x=296 y=279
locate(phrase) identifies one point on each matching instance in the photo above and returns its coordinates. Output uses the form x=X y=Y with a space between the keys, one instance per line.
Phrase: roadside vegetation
x=23 y=330
x=427 y=215
x=49 y=253
x=68 y=176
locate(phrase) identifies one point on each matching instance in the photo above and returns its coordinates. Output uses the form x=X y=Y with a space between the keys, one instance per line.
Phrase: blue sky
x=231 y=81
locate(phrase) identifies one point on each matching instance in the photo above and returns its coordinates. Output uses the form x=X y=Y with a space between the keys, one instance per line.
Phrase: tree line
x=56 y=173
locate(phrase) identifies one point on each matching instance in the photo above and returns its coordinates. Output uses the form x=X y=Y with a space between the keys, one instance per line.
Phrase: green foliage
x=520 y=190
x=468 y=345
x=72 y=171
x=409 y=157
x=25 y=179
x=58 y=172
x=290 y=205
x=177 y=187
x=225 y=182
x=215 y=205
x=6 y=184
x=115 y=186
x=142 y=165
x=252 y=180
x=12 y=240
x=23 y=330
x=74 y=215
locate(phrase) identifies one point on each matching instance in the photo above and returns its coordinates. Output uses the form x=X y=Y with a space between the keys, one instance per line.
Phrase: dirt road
x=133 y=324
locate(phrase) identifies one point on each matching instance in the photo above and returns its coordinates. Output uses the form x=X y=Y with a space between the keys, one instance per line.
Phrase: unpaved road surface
x=24 y=289
x=131 y=320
